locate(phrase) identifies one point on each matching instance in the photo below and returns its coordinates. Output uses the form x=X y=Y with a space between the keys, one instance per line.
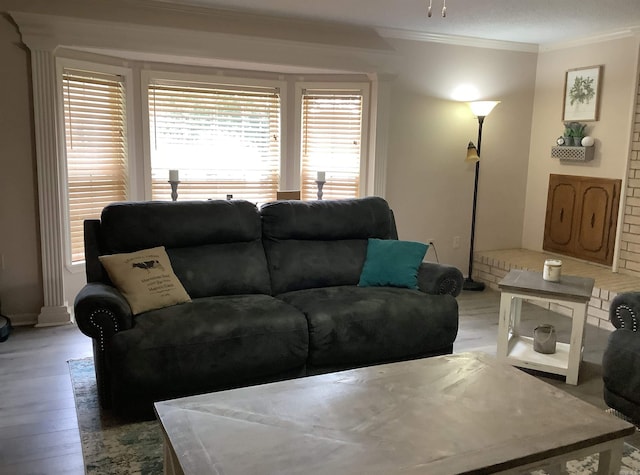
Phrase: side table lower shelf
x=520 y=353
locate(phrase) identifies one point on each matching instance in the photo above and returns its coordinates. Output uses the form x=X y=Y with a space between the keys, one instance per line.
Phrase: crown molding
x=49 y=32
x=613 y=35
x=505 y=45
x=456 y=40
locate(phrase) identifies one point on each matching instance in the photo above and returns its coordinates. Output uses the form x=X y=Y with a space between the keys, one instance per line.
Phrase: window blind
x=96 y=148
x=331 y=142
x=224 y=140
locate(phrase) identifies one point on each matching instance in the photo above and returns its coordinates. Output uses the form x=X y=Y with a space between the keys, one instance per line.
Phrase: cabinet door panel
x=581 y=217
x=562 y=208
x=594 y=221
x=561 y=203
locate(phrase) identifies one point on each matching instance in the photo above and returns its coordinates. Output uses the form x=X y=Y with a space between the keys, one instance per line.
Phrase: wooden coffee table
x=573 y=292
x=463 y=413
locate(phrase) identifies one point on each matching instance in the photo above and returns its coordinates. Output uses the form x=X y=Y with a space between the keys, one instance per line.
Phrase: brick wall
x=491 y=271
x=629 y=258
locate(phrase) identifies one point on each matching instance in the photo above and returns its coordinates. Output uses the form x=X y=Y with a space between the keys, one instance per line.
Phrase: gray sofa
x=274 y=295
x=621 y=360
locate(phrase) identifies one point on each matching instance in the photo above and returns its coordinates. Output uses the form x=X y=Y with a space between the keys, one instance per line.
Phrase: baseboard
x=23 y=319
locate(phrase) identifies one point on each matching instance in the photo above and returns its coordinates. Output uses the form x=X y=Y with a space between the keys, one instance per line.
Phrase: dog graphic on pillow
x=148 y=265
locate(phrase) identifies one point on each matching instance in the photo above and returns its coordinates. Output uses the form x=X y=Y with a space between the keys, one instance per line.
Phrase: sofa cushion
x=392 y=263
x=620 y=364
x=222 y=269
x=364 y=325
x=131 y=226
x=215 y=246
x=211 y=343
x=145 y=278
x=326 y=220
x=321 y=243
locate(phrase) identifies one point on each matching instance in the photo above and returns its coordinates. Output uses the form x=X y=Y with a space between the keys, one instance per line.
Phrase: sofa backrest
x=321 y=243
x=215 y=246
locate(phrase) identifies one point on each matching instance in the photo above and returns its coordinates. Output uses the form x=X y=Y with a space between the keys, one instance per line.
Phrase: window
x=331 y=142
x=96 y=148
x=223 y=139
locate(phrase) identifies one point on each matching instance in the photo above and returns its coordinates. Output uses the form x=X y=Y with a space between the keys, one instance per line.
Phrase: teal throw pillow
x=392 y=263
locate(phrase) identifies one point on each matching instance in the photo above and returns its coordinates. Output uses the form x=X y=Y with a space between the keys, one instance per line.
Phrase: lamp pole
x=481 y=109
x=469 y=283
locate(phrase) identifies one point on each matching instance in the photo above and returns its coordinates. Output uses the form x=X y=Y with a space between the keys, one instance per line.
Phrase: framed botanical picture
x=582 y=94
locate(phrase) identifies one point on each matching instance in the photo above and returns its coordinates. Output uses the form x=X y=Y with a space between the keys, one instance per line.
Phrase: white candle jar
x=552 y=270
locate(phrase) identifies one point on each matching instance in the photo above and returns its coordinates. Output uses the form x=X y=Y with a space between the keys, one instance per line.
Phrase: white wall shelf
x=574 y=154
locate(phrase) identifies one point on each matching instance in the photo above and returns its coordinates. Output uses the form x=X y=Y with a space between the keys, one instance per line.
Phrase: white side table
x=572 y=291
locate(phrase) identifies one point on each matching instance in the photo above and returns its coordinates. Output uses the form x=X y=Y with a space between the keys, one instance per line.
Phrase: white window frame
x=365 y=158
x=63 y=63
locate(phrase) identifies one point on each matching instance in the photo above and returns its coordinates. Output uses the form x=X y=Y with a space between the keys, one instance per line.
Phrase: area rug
x=589 y=465
x=113 y=447
x=110 y=446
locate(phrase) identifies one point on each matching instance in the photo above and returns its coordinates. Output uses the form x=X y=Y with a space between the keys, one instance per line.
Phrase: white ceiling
x=527 y=21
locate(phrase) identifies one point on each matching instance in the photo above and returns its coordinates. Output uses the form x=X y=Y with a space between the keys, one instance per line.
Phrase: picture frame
x=582 y=94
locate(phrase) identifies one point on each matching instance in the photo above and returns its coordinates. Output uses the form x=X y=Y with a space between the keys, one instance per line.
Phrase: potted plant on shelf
x=574 y=131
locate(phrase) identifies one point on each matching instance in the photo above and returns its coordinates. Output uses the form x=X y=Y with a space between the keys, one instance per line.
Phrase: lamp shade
x=472 y=153
x=482 y=108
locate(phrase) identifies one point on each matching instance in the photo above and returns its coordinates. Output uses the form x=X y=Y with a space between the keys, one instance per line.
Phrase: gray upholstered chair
x=621 y=360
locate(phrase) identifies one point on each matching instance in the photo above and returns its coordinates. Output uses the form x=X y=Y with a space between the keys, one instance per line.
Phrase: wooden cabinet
x=582 y=214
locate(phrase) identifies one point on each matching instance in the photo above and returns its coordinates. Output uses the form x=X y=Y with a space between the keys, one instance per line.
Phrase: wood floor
x=38 y=425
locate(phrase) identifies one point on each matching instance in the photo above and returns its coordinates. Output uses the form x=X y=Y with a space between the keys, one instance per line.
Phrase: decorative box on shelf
x=575 y=154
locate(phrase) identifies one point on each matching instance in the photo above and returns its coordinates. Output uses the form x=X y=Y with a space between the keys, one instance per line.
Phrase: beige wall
x=429 y=184
x=612 y=131
x=20 y=282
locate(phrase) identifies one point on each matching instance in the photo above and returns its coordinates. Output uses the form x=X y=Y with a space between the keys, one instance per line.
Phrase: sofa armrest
x=624 y=311
x=436 y=278
x=101 y=311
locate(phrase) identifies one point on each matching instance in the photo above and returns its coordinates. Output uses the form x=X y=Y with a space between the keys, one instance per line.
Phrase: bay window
x=225 y=135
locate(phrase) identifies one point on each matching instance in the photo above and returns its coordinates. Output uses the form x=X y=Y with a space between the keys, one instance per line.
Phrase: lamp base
x=470 y=284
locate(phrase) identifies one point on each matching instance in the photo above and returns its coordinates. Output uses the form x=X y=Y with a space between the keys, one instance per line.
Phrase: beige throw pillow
x=145 y=278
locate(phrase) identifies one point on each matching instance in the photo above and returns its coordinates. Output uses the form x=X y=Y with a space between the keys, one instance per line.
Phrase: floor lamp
x=480 y=109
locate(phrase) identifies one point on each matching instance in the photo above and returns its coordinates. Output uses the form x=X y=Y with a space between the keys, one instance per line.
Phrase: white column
x=55 y=310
